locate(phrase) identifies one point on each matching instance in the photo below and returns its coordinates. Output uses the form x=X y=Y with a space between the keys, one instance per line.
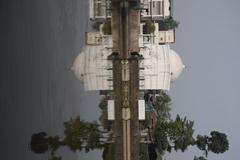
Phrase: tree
x=80 y=134
x=217 y=143
x=168 y=24
x=149 y=27
x=177 y=134
x=199 y=158
x=180 y=133
x=54 y=143
x=161 y=136
x=201 y=142
x=39 y=142
x=75 y=133
x=162 y=106
x=107 y=29
x=93 y=138
x=166 y=135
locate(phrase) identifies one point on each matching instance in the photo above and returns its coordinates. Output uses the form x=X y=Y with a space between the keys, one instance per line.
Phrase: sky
x=208 y=90
x=39 y=41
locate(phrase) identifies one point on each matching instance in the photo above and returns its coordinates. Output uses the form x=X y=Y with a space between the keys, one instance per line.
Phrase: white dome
x=176 y=65
x=78 y=66
x=92 y=68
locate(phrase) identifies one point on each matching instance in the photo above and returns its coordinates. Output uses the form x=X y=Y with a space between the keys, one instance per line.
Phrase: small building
x=93 y=38
x=166 y=36
x=99 y=9
x=111 y=110
x=157 y=37
x=98 y=38
x=156 y=9
x=153 y=9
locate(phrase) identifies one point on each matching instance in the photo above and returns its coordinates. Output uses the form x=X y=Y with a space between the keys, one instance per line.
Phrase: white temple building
x=158 y=68
x=160 y=65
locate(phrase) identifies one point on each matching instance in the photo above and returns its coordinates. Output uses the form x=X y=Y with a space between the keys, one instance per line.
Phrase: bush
x=149 y=27
x=168 y=24
x=107 y=29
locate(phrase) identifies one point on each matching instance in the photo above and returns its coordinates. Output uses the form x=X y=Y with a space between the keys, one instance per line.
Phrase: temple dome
x=78 y=66
x=176 y=65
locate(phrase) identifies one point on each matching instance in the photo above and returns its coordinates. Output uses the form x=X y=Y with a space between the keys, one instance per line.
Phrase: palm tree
x=217 y=143
x=162 y=105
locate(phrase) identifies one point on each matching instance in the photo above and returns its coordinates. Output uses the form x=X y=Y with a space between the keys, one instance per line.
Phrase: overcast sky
x=208 y=92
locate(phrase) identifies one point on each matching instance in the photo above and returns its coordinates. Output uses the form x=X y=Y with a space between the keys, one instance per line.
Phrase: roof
x=160 y=66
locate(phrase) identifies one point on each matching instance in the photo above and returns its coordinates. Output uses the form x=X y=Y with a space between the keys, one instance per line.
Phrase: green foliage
x=149 y=27
x=54 y=143
x=93 y=137
x=168 y=24
x=161 y=136
x=201 y=142
x=75 y=133
x=199 y=158
x=167 y=134
x=107 y=29
x=180 y=133
x=39 y=142
x=79 y=134
x=162 y=106
x=147 y=122
x=218 y=142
